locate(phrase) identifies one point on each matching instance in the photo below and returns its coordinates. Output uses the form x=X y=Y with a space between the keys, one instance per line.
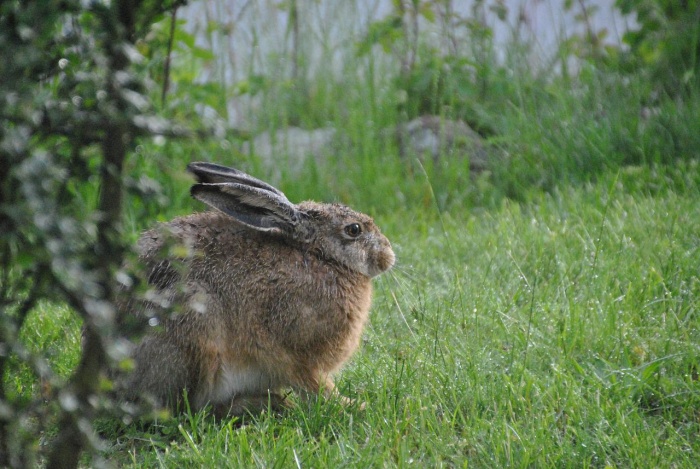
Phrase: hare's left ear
x=251 y=206
x=214 y=173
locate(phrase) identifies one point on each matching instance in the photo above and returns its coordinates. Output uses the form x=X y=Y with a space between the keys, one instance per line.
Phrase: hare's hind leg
x=160 y=374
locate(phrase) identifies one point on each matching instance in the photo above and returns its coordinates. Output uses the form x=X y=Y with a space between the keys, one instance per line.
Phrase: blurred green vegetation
x=547 y=127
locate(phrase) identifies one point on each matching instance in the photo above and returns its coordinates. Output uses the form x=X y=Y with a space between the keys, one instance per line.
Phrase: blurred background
x=487 y=99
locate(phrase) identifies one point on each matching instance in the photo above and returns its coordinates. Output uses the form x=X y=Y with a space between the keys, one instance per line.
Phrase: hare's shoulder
x=166 y=246
x=178 y=237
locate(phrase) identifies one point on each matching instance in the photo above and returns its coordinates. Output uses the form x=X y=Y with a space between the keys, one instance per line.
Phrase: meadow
x=559 y=332
x=543 y=313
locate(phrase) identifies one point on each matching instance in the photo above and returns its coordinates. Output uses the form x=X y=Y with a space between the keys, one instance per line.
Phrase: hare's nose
x=384 y=258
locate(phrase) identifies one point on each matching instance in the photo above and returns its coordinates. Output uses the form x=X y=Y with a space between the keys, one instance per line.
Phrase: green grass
x=559 y=332
x=51 y=332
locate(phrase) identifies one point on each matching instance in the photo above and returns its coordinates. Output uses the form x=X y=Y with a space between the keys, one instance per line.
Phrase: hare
x=255 y=297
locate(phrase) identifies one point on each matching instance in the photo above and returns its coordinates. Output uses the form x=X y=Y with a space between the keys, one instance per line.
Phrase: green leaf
x=384 y=32
x=427 y=12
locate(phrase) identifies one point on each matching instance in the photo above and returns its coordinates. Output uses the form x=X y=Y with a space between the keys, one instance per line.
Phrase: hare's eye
x=353 y=230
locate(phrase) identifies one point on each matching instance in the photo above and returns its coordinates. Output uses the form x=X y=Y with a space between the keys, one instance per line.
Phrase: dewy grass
x=559 y=332
x=52 y=333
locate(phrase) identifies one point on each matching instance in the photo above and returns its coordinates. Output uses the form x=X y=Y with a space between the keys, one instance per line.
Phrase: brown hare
x=252 y=298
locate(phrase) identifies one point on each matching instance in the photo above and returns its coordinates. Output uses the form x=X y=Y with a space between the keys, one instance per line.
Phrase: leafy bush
x=73 y=108
x=667 y=43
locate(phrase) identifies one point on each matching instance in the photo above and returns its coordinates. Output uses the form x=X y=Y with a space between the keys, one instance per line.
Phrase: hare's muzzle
x=381 y=258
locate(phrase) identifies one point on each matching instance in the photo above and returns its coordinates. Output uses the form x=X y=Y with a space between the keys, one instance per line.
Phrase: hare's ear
x=211 y=173
x=252 y=206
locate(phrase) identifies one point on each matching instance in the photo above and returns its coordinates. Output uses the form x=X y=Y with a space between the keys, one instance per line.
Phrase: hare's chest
x=230 y=381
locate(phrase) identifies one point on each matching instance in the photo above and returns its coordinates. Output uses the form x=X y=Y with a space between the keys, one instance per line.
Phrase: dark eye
x=353 y=230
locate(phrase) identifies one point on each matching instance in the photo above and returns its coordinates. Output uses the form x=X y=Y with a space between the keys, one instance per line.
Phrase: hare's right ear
x=250 y=205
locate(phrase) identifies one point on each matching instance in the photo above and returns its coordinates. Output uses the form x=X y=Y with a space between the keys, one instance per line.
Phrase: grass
x=559 y=332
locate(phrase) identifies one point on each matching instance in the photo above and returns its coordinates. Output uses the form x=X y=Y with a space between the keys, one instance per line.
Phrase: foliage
x=667 y=43
x=72 y=109
x=457 y=80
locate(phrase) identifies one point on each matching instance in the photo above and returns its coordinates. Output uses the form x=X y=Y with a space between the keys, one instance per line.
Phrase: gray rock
x=436 y=138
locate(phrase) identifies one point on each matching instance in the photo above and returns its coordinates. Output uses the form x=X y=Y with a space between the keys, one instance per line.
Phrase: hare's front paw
x=352 y=403
x=240 y=406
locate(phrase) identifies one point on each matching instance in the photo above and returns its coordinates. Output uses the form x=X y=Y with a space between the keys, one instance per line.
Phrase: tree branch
x=166 y=68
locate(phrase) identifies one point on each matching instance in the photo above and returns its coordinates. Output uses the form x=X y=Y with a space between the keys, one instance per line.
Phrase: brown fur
x=254 y=312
